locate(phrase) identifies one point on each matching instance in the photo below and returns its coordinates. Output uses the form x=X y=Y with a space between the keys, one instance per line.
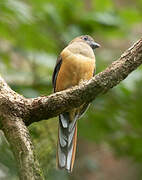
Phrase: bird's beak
x=94 y=45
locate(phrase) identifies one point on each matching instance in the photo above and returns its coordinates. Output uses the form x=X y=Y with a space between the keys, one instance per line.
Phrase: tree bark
x=17 y=112
x=19 y=139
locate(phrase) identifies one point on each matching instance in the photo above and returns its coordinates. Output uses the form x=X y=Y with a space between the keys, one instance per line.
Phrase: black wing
x=56 y=70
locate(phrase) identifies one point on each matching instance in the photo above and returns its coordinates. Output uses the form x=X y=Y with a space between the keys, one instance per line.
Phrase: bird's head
x=88 y=40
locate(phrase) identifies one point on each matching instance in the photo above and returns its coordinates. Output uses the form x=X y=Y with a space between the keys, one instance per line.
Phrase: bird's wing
x=56 y=70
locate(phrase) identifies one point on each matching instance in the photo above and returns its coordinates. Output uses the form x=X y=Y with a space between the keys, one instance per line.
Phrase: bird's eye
x=85 y=38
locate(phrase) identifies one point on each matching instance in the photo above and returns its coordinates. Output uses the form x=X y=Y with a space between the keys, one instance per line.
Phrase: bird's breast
x=75 y=68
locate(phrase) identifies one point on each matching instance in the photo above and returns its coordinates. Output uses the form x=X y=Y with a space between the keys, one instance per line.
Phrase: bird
x=75 y=64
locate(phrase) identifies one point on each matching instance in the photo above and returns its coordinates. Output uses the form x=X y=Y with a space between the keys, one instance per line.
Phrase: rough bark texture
x=17 y=135
x=17 y=112
x=12 y=107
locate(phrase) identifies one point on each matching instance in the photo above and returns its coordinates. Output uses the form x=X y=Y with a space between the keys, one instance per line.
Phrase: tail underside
x=67 y=137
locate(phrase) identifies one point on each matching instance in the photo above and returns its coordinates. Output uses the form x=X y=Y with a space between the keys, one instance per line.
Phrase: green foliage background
x=32 y=34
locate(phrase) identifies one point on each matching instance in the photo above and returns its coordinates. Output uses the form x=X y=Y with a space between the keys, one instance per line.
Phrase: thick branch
x=53 y=105
x=36 y=109
x=17 y=135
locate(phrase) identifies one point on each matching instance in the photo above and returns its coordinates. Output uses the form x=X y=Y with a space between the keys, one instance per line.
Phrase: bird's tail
x=67 y=137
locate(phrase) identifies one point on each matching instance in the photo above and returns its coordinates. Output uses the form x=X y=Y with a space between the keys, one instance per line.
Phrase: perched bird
x=75 y=64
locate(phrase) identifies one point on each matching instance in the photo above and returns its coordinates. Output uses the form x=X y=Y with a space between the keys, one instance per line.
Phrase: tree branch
x=53 y=105
x=36 y=109
x=17 y=135
x=15 y=109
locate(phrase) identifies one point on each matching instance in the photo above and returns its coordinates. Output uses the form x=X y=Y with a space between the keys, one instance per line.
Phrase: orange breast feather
x=75 y=68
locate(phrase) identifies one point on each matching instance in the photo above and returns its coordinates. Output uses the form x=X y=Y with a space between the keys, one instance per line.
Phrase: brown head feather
x=86 y=39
